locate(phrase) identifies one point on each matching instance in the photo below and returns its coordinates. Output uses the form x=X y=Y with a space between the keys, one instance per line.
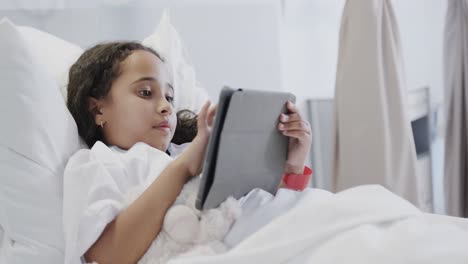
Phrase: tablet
x=245 y=150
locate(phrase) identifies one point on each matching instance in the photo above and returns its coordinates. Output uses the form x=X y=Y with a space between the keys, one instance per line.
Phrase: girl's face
x=139 y=106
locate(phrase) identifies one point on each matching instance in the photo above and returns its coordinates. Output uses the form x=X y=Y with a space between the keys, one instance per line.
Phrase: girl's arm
x=130 y=234
x=296 y=181
x=298 y=130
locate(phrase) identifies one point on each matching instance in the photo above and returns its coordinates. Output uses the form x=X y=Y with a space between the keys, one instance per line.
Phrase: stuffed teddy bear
x=187 y=231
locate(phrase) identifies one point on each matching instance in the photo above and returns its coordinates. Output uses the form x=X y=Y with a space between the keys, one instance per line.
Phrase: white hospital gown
x=95 y=182
x=97 y=179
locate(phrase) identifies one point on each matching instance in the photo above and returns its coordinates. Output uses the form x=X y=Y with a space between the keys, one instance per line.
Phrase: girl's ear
x=95 y=108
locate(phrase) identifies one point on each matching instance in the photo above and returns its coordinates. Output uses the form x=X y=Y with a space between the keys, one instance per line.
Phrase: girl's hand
x=192 y=158
x=300 y=138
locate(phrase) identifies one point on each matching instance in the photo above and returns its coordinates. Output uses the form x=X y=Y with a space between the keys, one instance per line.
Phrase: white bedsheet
x=365 y=224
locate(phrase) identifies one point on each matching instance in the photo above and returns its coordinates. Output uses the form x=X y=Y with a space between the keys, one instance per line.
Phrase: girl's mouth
x=164 y=126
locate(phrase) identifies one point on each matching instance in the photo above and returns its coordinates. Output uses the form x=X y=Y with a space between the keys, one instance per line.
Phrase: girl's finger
x=290 y=117
x=201 y=122
x=294 y=125
x=299 y=134
x=291 y=107
x=211 y=114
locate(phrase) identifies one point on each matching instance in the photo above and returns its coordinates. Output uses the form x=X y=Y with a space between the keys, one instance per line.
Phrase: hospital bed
x=365 y=224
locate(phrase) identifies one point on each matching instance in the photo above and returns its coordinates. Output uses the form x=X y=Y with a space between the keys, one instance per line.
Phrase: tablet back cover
x=251 y=152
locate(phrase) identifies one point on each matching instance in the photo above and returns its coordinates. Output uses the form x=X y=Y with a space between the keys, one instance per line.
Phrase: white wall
x=233 y=44
x=230 y=42
x=421 y=28
x=310 y=31
x=247 y=43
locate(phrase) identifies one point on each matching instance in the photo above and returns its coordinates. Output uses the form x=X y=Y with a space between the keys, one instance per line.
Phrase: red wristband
x=298 y=182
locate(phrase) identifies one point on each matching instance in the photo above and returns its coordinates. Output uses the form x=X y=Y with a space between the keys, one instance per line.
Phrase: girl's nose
x=164 y=107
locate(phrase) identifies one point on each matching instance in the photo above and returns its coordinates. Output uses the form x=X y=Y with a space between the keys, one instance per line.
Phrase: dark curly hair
x=92 y=76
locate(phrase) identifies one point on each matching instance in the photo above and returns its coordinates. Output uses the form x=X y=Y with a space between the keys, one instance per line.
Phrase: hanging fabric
x=373 y=140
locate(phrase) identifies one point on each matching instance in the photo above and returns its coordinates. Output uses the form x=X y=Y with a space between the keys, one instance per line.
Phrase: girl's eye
x=145 y=93
x=170 y=99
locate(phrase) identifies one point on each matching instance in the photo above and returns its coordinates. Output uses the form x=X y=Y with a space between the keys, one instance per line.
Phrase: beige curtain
x=373 y=142
x=456 y=77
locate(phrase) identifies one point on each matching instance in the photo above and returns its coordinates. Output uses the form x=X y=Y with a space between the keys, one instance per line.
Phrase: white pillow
x=167 y=42
x=37 y=137
x=38 y=133
x=57 y=55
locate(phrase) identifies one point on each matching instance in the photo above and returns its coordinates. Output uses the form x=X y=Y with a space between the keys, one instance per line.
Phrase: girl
x=121 y=96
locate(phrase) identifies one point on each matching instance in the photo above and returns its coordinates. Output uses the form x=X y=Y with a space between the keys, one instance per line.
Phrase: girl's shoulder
x=138 y=159
x=84 y=155
x=104 y=153
x=112 y=166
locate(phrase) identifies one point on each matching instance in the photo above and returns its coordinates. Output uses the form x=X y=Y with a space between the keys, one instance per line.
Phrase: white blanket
x=365 y=224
